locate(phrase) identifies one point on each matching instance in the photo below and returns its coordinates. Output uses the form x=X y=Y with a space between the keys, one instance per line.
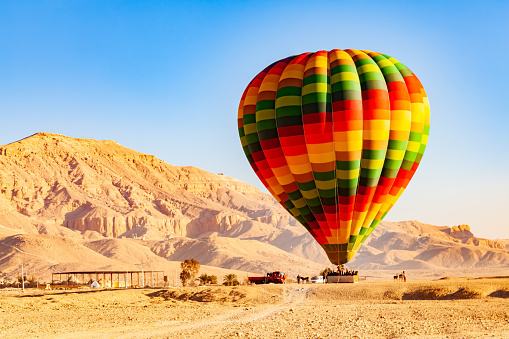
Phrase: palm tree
x=204 y=279
x=230 y=280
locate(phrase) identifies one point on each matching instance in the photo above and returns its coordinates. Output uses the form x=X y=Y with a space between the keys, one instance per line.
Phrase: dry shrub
x=242 y=295
x=427 y=294
x=466 y=293
x=442 y=293
x=500 y=294
x=182 y=295
x=202 y=295
x=392 y=295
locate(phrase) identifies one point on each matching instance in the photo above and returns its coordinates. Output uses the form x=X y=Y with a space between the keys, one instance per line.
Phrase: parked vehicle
x=271 y=278
x=317 y=279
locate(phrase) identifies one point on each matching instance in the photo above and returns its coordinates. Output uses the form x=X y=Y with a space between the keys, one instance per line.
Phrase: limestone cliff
x=463 y=233
x=101 y=186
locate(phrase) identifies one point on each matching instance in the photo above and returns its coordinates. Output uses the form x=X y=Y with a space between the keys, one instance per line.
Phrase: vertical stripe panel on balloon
x=269 y=141
x=347 y=119
x=291 y=138
x=318 y=135
x=376 y=113
x=276 y=158
x=348 y=131
x=425 y=135
x=256 y=157
x=417 y=141
x=248 y=95
x=400 y=124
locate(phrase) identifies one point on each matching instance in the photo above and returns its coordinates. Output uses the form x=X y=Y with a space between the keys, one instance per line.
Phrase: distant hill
x=414 y=245
x=70 y=203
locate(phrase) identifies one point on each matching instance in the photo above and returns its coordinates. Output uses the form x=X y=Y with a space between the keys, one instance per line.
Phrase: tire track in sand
x=292 y=296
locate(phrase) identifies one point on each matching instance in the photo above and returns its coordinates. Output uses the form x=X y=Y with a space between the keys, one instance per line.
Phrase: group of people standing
x=343 y=270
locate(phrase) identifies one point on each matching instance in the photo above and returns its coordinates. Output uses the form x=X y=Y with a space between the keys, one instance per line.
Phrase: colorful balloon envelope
x=335 y=136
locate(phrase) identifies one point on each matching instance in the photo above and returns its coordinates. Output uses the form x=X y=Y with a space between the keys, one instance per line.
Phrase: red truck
x=271 y=278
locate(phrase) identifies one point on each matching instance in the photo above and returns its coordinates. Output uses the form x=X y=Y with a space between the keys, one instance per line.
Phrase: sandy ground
x=450 y=308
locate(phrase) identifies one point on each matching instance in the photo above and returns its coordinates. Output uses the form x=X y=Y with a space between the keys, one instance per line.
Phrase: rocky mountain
x=84 y=204
x=414 y=245
x=105 y=187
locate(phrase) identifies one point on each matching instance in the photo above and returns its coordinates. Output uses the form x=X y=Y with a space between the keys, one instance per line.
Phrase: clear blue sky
x=165 y=78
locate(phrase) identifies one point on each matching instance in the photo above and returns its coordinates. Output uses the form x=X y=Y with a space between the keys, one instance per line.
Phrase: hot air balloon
x=335 y=136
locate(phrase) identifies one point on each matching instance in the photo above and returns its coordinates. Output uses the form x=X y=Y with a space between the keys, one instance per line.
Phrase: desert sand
x=445 y=308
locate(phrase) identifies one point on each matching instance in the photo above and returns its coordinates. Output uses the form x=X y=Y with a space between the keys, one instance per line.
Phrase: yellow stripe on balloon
x=290 y=100
x=269 y=86
x=368 y=68
x=372 y=163
x=316 y=61
x=266 y=114
x=344 y=76
x=345 y=146
x=314 y=88
x=300 y=169
x=347 y=174
x=292 y=72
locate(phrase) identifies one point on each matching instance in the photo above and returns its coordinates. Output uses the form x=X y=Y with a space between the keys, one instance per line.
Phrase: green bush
x=207 y=279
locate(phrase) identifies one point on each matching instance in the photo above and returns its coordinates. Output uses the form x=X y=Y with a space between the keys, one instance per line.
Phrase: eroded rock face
x=463 y=233
x=460 y=232
x=101 y=186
